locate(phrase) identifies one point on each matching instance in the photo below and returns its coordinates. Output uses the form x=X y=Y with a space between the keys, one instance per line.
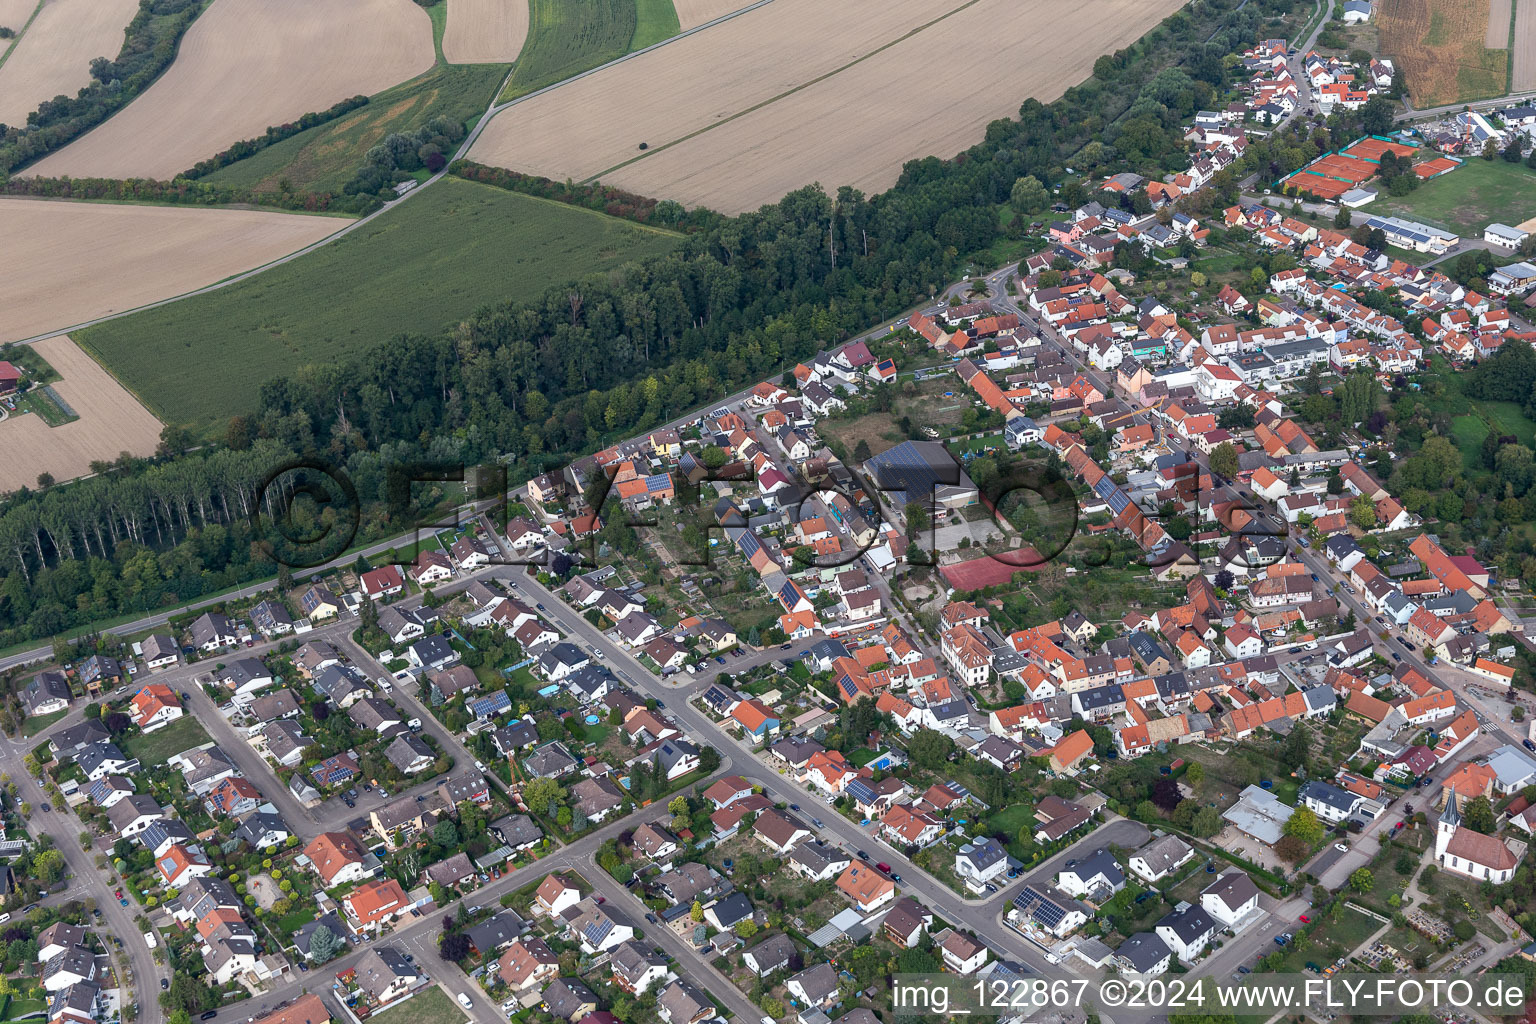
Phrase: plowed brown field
x=248 y=64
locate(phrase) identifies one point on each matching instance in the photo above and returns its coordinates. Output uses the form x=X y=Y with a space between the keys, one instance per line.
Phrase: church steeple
x=1451 y=816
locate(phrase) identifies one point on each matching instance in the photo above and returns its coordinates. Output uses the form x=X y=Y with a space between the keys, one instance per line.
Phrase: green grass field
x=655 y=20
x=153 y=748
x=439 y=256
x=567 y=37
x=429 y=1007
x=327 y=155
x=1469 y=198
x=37 y=723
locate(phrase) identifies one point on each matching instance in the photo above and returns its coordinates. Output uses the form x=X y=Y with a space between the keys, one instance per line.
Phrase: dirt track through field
x=62 y=263
x=692 y=13
x=246 y=65
x=111 y=422
x=54 y=55
x=1499 y=12
x=796 y=92
x=485 y=31
x=1523 y=53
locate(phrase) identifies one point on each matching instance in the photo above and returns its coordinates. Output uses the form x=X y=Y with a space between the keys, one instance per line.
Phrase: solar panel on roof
x=1048 y=914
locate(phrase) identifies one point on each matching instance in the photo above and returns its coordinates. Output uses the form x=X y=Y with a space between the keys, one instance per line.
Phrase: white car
x=466 y=1002
x=1341 y=847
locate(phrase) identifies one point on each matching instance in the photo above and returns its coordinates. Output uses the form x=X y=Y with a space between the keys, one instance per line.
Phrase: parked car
x=466 y=1002
x=883 y=866
x=165 y=983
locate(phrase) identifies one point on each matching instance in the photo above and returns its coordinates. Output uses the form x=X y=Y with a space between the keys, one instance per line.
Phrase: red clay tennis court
x=1371 y=148
x=992 y=571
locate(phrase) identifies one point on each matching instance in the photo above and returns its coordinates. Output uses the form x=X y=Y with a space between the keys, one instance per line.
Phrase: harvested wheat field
x=742 y=122
x=245 y=66
x=1441 y=46
x=486 y=31
x=693 y=13
x=62 y=263
x=111 y=422
x=13 y=15
x=1499 y=13
x=588 y=126
x=1523 y=52
x=54 y=55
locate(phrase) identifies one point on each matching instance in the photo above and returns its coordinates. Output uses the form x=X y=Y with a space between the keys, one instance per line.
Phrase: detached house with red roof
x=154 y=706
x=371 y=905
x=383 y=582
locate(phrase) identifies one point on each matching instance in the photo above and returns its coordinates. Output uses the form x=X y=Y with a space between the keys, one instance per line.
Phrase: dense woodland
x=539 y=383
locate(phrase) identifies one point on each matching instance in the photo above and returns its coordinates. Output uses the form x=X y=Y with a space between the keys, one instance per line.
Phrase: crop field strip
x=485 y=31
x=63 y=263
x=655 y=20
x=567 y=37
x=1523 y=48
x=110 y=422
x=1500 y=14
x=54 y=54
x=1440 y=46
x=245 y=66
x=758 y=106
x=204 y=358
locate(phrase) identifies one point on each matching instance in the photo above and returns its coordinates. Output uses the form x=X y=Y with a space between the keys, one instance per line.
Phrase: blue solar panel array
x=492 y=704
x=1110 y=491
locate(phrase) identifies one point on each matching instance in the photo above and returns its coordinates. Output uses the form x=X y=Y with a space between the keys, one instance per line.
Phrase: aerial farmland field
x=1523 y=51
x=692 y=13
x=202 y=359
x=248 y=65
x=54 y=54
x=111 y=422
x=794 y=93
x=566 y=37
x=1441 y=45
x=62 y=263
x=485 y=31
x=324 y=157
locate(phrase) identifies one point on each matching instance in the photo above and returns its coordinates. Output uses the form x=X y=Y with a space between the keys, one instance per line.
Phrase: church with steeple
x=1462 y=851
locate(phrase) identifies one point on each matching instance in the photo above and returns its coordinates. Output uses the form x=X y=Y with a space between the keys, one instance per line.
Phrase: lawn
x=16 y=1008
x=439 y=256
x=37 y=723
x=155 y=747
x=1467 y=199
x=567 y=37
x=325 y=157
x=430 y=1007
x=655 y=20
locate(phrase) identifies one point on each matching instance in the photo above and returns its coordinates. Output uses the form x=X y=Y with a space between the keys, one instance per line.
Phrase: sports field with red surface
x=993 y=570
x=1330 y=176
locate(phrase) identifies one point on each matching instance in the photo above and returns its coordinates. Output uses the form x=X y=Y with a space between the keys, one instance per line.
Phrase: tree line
x=538 y=383
x=184 y=191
